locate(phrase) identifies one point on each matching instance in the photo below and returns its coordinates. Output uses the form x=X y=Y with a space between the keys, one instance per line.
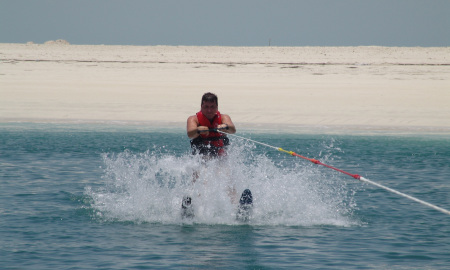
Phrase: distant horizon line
x=62 y=42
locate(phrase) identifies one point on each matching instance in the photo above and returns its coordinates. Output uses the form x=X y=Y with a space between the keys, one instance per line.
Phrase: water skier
x=204 y=141
x=207 y=141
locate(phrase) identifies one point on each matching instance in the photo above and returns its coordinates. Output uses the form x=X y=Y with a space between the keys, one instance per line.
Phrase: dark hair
x=209 y=97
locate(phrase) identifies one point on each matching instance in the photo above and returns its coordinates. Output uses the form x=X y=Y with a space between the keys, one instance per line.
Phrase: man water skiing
x=202 y=128
x=199 y=126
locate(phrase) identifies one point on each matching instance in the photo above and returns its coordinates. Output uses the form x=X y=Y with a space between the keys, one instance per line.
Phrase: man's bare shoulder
x=225 y=116
x=192 y=117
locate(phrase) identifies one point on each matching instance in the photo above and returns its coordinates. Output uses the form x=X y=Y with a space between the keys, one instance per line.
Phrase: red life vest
x=217 y=120
x=213 y=143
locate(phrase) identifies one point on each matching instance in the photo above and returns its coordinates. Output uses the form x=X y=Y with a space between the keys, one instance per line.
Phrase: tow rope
x=356 y=176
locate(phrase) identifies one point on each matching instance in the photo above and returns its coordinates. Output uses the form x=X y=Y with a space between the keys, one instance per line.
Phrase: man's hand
x=223 y=127
x=204 y=130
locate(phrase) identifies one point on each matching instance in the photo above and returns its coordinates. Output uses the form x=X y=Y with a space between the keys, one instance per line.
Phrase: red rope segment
x=315 y=161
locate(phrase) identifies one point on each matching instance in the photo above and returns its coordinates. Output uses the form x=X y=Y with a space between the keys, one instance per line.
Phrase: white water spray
x=149 y=187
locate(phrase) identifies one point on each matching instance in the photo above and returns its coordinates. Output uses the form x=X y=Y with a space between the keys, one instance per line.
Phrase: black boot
x=187 y=211
x=245 y=206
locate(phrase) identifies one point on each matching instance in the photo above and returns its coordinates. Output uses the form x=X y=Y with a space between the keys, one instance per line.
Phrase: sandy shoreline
x=342 y=88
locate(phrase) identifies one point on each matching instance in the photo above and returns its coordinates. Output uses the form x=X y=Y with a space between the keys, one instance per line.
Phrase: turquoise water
x=103 y=197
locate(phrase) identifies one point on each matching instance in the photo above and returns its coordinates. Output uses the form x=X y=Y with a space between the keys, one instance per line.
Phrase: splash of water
x=149 y=187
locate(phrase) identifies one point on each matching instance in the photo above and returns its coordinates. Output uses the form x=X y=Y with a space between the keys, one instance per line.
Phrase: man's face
x=209 y=109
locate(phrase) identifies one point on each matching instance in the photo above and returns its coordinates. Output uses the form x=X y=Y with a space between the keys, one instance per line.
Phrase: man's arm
x=192 y=127
x=226 y=121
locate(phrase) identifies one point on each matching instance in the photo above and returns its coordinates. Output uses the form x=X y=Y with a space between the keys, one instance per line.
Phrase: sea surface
x=84 y=196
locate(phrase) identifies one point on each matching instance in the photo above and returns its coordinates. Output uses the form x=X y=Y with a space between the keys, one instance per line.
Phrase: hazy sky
x=228 y=22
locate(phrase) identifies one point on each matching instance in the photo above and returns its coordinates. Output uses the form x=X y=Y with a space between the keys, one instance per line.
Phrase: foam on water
x=149 y=187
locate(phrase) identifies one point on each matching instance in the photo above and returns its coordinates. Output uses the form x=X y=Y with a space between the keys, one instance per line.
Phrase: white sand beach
x=342 y=88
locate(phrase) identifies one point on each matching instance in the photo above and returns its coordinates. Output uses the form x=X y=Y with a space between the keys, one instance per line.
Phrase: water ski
x=187 y=211
x=245 y=206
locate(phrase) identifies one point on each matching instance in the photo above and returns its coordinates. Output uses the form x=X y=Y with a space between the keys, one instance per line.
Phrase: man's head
x=210 y=97
x=209 y=106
